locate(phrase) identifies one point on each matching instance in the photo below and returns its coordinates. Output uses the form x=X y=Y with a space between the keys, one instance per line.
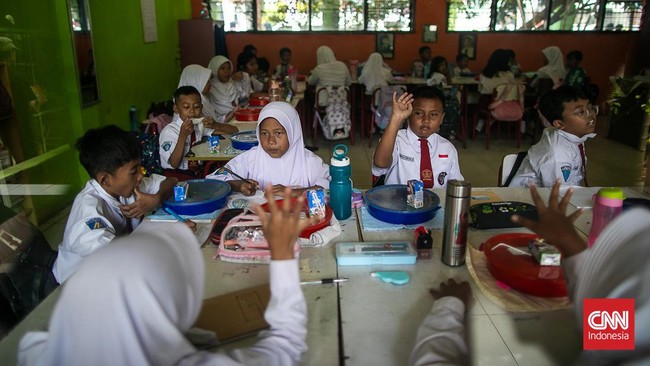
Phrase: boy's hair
x=284 y=49
x=249 y=48
x=106 y=149
x=551 y=103
x=460 y=57
x=423 y=48
x=429 y=92
x=435 y=64
x=263 y=64
x=577 y=55
x=186 y=90
x=243 y=59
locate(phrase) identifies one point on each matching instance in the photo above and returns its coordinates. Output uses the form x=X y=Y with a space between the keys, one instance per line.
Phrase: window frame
x=549 y=6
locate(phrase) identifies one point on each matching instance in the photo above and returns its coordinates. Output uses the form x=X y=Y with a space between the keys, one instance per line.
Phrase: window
x=314 y=15
x=544 y=15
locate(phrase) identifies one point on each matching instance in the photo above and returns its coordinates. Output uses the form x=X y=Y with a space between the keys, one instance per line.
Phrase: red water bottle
x=608 y=203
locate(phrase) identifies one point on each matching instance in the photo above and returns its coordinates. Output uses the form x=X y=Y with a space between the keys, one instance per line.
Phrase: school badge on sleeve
x=566 y=172
x=96 y=223
x=166 y=145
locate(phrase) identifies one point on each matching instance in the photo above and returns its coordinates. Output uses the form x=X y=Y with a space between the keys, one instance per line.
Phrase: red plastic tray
x=247 y=114
x=259 y=100
x=310 y=229
x=522 y=272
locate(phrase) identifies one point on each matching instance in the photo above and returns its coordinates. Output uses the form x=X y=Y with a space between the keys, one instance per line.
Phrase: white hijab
x=198 y=77
x=128 y=304
x=374 y=74
x=554 y=70
x=222 y=95
x=297 y=167
x=325 y=55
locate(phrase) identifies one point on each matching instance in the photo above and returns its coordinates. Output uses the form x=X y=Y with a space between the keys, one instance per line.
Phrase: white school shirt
x=95 y=220
x=169 y=137
x=486 y=85
x=555 y=156
x=437 y=79
x=406 y=160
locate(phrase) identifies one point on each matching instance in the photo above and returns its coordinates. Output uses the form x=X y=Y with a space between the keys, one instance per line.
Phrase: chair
x=381 y=105
x=335 y=110
x=509 y=166
x=504 y=95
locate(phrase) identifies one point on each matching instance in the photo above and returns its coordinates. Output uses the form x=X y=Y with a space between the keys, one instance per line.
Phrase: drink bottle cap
x=459 y=188
x=340 y=156
x=612 y=193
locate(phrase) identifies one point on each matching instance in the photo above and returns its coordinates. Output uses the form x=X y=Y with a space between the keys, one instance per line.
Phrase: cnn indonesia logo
x=608 y=324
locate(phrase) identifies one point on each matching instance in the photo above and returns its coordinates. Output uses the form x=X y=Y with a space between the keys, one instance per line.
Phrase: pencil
x=171 y=212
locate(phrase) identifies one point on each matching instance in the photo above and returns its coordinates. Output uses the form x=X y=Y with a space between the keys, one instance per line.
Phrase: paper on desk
x=202 y=232
x=582 y=196
x=161 y=215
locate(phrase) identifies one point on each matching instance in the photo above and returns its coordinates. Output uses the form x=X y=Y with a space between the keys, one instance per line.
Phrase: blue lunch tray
x=203 y=196
x=244 y=140
x=388 y=203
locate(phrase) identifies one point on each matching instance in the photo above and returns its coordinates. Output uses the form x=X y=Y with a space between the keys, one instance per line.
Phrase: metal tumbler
x=454 y=238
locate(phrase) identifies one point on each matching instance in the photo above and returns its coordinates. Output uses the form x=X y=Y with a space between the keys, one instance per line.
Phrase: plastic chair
x=382 y=98
x=320 y=109
x=508 y=163
x=503 y=93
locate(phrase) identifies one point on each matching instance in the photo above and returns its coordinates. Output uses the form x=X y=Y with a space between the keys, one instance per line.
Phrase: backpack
x=26 y=261
x=508 y=103
x=336 y=123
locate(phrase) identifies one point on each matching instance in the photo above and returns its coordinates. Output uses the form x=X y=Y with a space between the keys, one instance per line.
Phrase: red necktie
x=584 y=164
x=426 y=173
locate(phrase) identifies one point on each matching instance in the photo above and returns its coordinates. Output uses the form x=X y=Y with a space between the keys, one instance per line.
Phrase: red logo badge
x=608 y=324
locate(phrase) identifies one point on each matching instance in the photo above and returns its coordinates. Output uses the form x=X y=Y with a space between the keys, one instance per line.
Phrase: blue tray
x=244 y=140
x=204 y=195
x=388 y=203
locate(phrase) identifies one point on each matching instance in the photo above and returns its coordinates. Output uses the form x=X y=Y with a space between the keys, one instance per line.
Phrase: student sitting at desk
x=417 y=152
x=552 y=74
x=374 y=74
x=134 y=301
x=497 y=71
x=329 y=71
x=422 y=67
x=560 y=153
x=439 y=73
x=280 y=159
x=615 y=267
x=282 y=70
x=462 y=66
x=247 y=65
x=224 y=93
x=113 y=201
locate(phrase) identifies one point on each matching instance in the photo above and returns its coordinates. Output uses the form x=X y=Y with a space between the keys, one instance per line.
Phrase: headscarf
x=325 y=55
x=128 y=304
x=554 y=70
x=222 y=94
x=198 y=77
x=295 y=167
x=373 y=74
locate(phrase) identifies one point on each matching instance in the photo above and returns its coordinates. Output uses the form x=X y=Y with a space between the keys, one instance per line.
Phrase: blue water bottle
x=340 y=185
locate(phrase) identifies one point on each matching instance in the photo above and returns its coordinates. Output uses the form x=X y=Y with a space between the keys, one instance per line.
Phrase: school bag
x=26 y=261
x=336 y=123
x=243 y=241
x=150 y=144
x=508 y=102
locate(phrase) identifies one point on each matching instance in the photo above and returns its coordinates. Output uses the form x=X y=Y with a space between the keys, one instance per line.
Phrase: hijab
x=325 y=55
x=297 y=165
x=554 y=70
x=222 y=94
x=198 y=77
x=129 y=303
x=373 y=74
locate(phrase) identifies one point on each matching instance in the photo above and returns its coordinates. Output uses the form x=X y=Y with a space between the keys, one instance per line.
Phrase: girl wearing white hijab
x=374 y=74
x=553 y=68
x=131 y=303
x=329 y=72
x=224 y=93
x=280 y=159
x=199 y=77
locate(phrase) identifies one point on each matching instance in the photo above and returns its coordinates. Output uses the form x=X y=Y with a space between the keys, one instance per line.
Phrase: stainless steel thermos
x=454 y=238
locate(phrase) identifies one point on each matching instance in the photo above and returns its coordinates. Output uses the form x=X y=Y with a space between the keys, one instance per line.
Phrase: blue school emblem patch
x=96 y=223
x=566 y=172
x=166 y=145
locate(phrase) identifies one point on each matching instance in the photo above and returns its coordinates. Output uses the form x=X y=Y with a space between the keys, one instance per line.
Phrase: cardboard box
x=180 y=191
x=415 y=193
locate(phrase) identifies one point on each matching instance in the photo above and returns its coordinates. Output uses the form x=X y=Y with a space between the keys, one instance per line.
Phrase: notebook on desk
x=235 y=315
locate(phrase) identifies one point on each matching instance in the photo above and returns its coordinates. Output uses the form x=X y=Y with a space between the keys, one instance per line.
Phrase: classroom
x=71 y=68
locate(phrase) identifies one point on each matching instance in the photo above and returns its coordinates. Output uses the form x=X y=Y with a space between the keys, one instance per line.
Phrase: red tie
x=584 y=164
x=426 y=173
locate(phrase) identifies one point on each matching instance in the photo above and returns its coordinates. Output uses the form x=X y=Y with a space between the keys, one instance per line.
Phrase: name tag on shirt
x=407 y=158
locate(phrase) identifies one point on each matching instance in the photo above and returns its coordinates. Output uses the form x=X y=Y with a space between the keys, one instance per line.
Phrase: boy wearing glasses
x=416 y=152
x=560 y=153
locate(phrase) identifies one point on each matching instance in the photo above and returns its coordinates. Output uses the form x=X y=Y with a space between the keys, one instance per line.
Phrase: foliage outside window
x=544 y=15
x=314 y=15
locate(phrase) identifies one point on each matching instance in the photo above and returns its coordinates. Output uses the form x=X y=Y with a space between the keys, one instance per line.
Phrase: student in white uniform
x=439 y=74
x=178 y=136
x=553 y=69
x=328 y=72
x=133 y=302
x=114 y=200
x=374 y=75
x=615 y=267
x=560 y=153
x=280 y=159
x=247 y=65
x=224 y=91
x=399 y=150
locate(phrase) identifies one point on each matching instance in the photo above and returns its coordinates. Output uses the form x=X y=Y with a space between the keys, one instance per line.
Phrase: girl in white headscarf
x=131 y=303
x=374 y=74
x=280 y=159
x=329 y=72
x=224 y=92
x=200 y=78
x=553 y=67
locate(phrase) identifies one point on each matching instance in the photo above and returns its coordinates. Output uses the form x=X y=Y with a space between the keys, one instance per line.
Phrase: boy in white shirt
x=399 y=152
x=560 y=153
x=114 y=200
